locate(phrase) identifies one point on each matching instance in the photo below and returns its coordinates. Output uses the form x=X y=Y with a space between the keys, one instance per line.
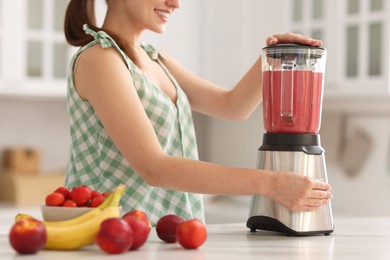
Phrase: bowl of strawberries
x=64 y=203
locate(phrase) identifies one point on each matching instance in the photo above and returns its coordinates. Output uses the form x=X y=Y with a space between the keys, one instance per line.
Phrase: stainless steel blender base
x=271 y=224
x=267 y=214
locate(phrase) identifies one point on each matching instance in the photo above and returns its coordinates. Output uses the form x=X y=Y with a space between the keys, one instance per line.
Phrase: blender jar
x=293 y=80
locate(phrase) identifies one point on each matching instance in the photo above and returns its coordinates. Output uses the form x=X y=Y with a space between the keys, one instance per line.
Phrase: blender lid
x=281 y=51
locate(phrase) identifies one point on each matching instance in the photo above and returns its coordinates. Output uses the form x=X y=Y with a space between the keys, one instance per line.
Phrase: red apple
x=166 y=227
x=139 y=214
x=81 y=195
x=191 y=234
x=28 y=236
x=54 y=199
x=140 y=229
x=115 y=236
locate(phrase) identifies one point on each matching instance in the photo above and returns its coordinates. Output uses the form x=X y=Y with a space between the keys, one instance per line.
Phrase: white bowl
x=51 y=213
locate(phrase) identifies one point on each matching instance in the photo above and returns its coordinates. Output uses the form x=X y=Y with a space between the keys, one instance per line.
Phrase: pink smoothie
x=295 y=108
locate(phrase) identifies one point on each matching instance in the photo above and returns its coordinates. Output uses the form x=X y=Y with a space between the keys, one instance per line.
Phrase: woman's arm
x=103 y=79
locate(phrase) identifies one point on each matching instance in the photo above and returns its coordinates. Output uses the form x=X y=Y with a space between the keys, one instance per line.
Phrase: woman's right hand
x=292 y=38
x=299 y=193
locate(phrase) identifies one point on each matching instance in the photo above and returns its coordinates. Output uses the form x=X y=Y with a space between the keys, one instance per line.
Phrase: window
x=1 y=35
x=35 y=52
x=356 y=34
x=44 y=32
x=365 y=30
x=307 y=17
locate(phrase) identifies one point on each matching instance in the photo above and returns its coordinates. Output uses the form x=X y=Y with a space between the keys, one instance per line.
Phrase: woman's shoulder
x=98 y=61
x=98 y=54
x=96 y=65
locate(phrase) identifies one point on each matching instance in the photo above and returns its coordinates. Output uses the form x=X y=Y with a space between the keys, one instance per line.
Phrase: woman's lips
x=162 y=14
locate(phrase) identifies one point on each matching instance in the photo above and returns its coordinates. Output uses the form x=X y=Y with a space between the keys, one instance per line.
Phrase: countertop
x=353 y=238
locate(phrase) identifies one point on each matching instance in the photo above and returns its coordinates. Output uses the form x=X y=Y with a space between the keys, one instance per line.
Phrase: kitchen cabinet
x=22 y=189
x=34 y=55
x=33 y=52
x=1 y=40
x=356 y=34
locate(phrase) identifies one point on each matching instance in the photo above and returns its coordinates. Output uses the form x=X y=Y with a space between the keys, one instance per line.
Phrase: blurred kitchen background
x=219 y=40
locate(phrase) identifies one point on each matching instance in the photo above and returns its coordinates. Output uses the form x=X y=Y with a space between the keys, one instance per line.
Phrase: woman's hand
x=299 y=193
x=292 y=38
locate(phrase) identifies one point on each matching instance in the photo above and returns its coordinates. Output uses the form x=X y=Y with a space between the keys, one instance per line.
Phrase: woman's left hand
x=292 y=38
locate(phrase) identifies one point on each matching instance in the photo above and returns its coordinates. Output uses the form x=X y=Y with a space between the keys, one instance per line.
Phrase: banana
x=73 y=221
x=78 y=235
x=66 y=223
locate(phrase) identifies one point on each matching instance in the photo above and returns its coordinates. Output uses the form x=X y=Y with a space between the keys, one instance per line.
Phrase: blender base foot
x=270 y=224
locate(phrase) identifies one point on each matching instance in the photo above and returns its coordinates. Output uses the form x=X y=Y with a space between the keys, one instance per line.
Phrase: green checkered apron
x=96 y=162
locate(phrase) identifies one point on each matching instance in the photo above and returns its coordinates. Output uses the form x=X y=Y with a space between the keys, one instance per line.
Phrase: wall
x=39 y=124
x=357 y=151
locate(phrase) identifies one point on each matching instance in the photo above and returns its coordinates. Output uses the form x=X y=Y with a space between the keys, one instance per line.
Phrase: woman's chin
x=159 y=30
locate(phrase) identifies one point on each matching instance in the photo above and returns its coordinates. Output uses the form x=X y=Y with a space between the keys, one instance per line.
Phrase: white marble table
x=354 y=238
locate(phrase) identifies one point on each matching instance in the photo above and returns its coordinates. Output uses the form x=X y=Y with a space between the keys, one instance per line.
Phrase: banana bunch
x=80 y=231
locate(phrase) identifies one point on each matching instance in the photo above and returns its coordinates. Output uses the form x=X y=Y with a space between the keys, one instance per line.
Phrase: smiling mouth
x=163 y=15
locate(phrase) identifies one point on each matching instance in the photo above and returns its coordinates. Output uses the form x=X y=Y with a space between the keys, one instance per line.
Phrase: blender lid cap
x=292 y=45
x=291 y=50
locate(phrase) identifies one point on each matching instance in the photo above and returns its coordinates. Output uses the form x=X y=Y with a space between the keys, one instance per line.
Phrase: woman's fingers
x=292 y=38
x=320 y=185
x=301 y=193
x=320 y=194
x=316 y=199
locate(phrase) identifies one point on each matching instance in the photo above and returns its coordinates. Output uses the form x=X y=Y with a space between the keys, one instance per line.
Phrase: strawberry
x=81 y=195
x=64 y=191
x=96 y=201
x=70 y=204
x=55 y=199
x=95 y=193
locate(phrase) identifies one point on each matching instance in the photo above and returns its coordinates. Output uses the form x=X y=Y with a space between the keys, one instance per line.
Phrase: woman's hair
x=80 y=12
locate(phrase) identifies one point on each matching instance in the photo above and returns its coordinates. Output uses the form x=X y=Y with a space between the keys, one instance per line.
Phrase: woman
x=130 y=109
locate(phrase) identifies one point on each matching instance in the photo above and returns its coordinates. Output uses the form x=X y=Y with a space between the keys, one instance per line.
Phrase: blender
x=293 y=79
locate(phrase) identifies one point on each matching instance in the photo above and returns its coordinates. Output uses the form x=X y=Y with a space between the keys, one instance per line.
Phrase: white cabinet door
x=356 y=35
x=35 y=54
x=1 y=38
x=365 y=45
